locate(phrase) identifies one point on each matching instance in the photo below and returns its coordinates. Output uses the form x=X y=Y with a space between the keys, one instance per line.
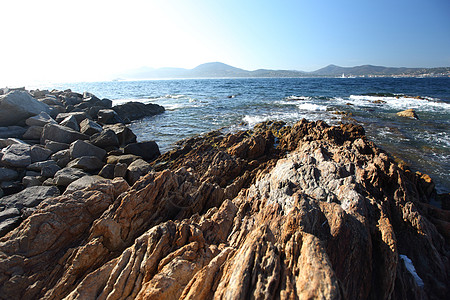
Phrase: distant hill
x=220 y=70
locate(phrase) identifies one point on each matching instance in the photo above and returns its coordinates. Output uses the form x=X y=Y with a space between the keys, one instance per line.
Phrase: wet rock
x=409 y=113
x=86 y=163
x=81 y=148
x=70 y=122
x=8 y=174
x=136 y=110
x=105 y=139
x=12 y=132
x=66 y=176
x=124 y=134
x=17 y=106
x=61 y=134
x=147 y=150
x=90 y=127
x=40 y=120
x=16 y=156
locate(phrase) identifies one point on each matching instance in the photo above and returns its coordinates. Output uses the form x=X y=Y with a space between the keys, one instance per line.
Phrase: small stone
x=409 y=113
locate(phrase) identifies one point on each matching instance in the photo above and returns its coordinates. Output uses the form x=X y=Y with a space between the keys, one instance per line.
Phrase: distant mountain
x=220 y=70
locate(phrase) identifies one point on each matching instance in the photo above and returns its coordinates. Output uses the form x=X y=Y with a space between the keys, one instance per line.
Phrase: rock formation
x=287 y=212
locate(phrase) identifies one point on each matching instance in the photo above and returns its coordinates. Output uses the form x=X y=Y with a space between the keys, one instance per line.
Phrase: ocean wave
x=312 y=107
x=297 y=98
x=398 y=102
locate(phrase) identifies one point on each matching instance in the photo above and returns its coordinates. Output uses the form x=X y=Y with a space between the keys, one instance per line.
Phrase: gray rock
x=83 y=183
x=137 y=169
x=12 y=132
x=66 y=176
x=1 y=193
x=10 y=141
x=135 y=110
x=56 y=146
x=108 y=116
x=90 y=127
x=61 y=134
x=33 y=133
x=30 y=196
x=29 y=181
x=9 y=224
x=79 y=116
x=32 y=173
x=50 y=170
x=37 y=166
x=82 y=148
x=71 y=122
x=51 y=100
x=105 y=139
x=62 y=157
x=39 y=153
x=120 y=170
x=107 y=171
x=86 y=163
x=16 y=156
x=11 y=187
x=126 y=159
x=17 y=106
x=41 y=119
x=124 y=134
x=38 y=94
x=147 y=150
x=9 y=213
x=8 y=174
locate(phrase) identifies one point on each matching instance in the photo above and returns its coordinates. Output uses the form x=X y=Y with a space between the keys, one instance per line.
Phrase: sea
x=197 y=106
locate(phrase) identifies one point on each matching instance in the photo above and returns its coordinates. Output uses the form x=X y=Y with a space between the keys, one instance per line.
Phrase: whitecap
x=311 y=107
x=410 y=267
x=400 y=102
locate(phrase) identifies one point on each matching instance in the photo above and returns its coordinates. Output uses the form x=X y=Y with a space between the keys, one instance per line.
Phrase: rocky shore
x=292 y=212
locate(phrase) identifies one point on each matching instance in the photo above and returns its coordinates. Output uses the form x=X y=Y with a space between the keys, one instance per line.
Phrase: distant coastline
x=221 y=70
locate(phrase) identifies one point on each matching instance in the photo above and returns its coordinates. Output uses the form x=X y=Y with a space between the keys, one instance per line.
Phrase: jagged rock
x=105 y=139
x=147 y=150
x=29 y=181
x=17 y=106
x=10 y=141
x=51 y=100
x=37 y=166
x=33 y=133
x=81 y=148
x=322 y=214
x=90 y=127
x=41 y=120
x=39 y=94
x=79 y=116
x=61 y=134
x=9 y=224
x=137 y=169
x=66 y=176
x=409 y=113
x=16 y=156
x=108 y=116
x=11 y=187
x=70 y=122
x=136 y=110
x=56 y=146
x=124 y=134
x=82 y=183
x=39 y=153
x=8 y=174
x=12 y=132
x=86 y=163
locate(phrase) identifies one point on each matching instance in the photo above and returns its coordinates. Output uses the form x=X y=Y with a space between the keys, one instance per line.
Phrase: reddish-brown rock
x=302 y=212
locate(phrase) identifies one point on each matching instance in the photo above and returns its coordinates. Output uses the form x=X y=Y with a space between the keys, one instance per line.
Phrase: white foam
x=312 y=107
x=400 y=102
x=410 y=267
x=297 y=98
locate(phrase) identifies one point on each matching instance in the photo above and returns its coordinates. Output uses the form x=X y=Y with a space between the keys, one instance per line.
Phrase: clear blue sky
x=53 y=40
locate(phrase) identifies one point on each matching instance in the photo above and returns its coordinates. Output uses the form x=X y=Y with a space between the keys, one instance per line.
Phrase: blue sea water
x=196 y=106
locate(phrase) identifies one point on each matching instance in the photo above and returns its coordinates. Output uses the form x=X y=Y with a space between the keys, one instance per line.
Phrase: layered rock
x=308 y=211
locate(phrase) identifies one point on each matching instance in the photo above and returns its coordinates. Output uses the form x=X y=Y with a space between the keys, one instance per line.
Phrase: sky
x=78 y=40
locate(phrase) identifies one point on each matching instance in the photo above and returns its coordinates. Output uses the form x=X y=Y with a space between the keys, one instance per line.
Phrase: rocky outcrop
x=308 y=211
x=409 y=113
x=136 y=110
x=17 y=106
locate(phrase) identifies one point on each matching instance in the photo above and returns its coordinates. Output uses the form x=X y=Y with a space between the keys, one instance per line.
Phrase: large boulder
x=12 y=132
x=79 y=116
x=89 y=127
x=33 y=133
x=30 y=196
x=105 y=139
x=409 y=113
x=17 y=106
x=66 y=176
x=61 y=134
x=136 y=110
x=8 y=174
x=81 y=148
x=16 y=156
x=147 y=150
x=86 y=163
x=137 y=169
x=71 y=122
x=83 y=183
